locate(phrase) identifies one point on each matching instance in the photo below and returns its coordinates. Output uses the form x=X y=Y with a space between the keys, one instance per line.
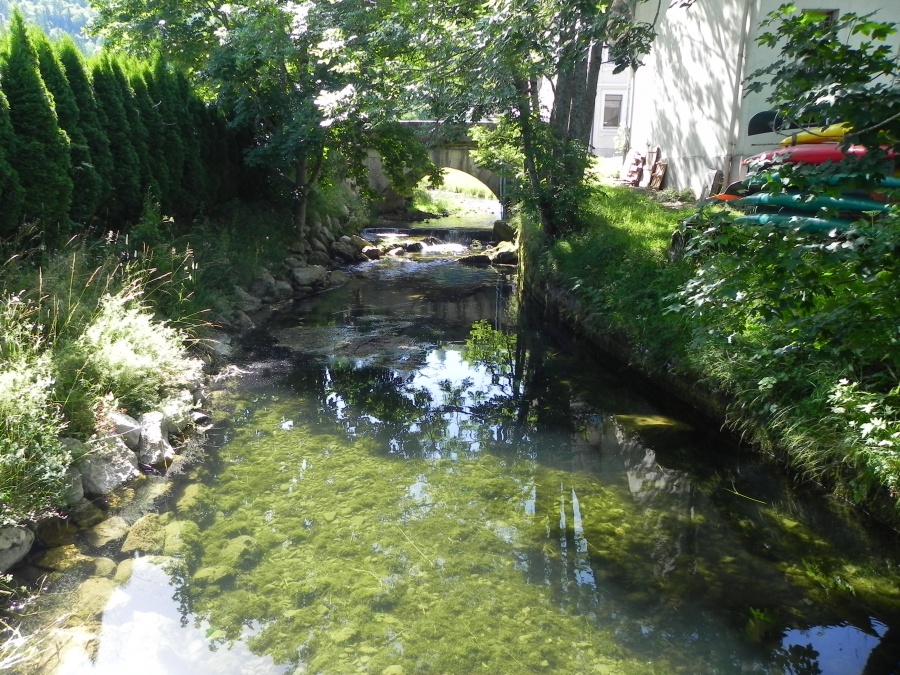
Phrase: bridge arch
x=449 y=147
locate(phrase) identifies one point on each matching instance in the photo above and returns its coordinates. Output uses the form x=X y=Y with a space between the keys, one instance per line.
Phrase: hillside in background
x=55 y=17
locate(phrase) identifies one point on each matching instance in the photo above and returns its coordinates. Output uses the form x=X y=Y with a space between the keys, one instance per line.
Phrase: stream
x=412 y=476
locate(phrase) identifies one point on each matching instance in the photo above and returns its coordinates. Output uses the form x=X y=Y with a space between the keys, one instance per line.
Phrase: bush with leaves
x=33 y=461
x=803 y=329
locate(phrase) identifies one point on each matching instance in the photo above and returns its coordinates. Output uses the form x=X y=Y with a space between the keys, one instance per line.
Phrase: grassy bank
x=110 y=323
x=801 y=344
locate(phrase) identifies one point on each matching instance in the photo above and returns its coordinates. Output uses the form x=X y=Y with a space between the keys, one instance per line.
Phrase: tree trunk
x=530 y=153
x=583 y=106
x=301 y=191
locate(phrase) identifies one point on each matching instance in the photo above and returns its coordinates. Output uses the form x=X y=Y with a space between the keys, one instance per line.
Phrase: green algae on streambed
x=415 y=489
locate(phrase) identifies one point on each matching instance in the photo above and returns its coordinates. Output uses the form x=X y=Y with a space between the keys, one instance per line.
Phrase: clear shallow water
x=412 y=483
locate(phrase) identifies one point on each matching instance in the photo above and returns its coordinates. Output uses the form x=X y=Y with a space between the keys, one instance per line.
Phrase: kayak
x=829 y=134
x=811 y=153
x=803 y=202
x=805 y=224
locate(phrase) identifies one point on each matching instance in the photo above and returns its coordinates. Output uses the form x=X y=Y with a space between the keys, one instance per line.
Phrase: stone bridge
x=449 y=147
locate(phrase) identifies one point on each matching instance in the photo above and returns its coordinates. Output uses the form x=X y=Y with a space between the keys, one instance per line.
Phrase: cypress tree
x=41 y=155
x=83 y=92
x=163 y=93
x=193 y=181
x=12 y=196
x=86 y=181
x=126 y=201
x=155 y=126
x=139 y=140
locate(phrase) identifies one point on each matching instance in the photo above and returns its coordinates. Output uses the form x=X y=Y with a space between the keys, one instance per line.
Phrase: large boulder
x=147 y=536
x=154 y=447
x=246 y=302
x=107 y=464
x=347 y=251
x=474 y=259
x=263 y=286
x=372 y=252
x=74 y=490
x=283 y=290
x=506 y=253
x=503 y=231
x=337 y=278
x=125 y=426
x=314 y=275
x=359 y=242
x=176 y=412
x=15 y=543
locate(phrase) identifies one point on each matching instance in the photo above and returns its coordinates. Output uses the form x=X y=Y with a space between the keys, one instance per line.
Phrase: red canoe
x=810 y=153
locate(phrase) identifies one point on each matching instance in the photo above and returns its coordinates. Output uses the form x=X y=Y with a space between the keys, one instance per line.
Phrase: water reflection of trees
x=676 y=544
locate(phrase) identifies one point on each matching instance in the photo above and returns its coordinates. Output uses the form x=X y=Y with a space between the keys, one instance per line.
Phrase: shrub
x=125 y=351
x=33 y=461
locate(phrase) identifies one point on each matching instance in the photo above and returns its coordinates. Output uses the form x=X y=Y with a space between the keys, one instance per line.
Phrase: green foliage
x=33 y=462
x=12 y=196
x=124 y=351
x=618 y=268
x=86 y=181
x=126 y=199
x=41 y=150
x=88 y=116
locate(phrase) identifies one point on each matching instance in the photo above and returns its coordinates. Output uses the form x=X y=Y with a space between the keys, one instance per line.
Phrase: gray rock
x=319 y=258
x=127 y=427
x=505 y=253
x=242 y=321
x=107 y=464
x=283 y=290
x=111 y=529
x=372 y=252
x=318 y=245
x=359 y=242
x=176 y=412
x=15 y=543
x=219 y=343
x=263 y=286
x=154 y=447
x=414 y=247
x=314 y=275
x=327 y=234
x=345 y=211
x=347 y=250
x=503 y=231
x=74 y=491
x=292 y=261
x=397 y=251
x=246 y=302
x=337 y=278
x=475 y=259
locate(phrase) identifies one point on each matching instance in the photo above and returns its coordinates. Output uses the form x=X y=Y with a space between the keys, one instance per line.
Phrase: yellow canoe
x=829 y=134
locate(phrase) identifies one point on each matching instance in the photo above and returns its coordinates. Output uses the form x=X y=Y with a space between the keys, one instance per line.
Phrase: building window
x=612 y=111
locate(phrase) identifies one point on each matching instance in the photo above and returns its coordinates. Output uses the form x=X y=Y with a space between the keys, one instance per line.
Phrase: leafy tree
x=41 y=155
x=163 y=92
x=300 y=76
x=493 y=59
x=88 y=115
x=809 y=322
x=154 y=125
x=12 y=196
x=140 y=140
x=86 y=181
x=126 y=200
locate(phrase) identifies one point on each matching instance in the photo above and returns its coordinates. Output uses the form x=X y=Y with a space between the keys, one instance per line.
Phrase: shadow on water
x=423 y=483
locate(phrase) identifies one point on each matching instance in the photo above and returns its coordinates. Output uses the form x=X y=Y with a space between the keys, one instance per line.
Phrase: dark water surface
x=413 y=482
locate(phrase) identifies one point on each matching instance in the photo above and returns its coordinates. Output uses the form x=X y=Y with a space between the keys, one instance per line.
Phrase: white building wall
x=604 y=138
x=688 y=98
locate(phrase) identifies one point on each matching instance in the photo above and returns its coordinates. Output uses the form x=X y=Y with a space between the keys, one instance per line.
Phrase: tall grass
x=817 y=386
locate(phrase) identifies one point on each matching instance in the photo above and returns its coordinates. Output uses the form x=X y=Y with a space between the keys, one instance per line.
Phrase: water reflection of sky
x=841 y=650
x=140 y=616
